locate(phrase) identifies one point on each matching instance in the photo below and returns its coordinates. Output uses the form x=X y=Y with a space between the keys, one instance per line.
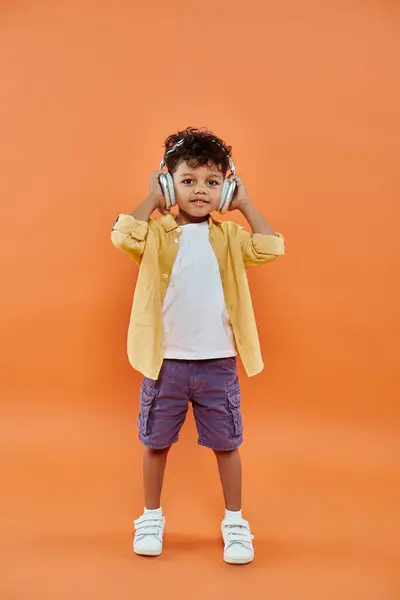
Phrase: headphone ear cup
x=167 y=186
x=164 y=186
x=227 y=193
x=171 y=190
x=224 y=193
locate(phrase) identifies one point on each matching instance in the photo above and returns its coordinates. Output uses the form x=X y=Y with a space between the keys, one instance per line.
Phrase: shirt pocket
x=234 y=402
x=148 y=396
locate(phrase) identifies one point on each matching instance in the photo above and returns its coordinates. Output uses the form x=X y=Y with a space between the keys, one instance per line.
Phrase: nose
x=199 y=189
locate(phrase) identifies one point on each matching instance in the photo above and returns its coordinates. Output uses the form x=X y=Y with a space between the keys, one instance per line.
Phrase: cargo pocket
x=234 y=400
x=148 y=396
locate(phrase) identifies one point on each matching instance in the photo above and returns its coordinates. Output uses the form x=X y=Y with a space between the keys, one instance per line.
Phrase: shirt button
x=179 y=230
x=176 y=241
x=165 y=275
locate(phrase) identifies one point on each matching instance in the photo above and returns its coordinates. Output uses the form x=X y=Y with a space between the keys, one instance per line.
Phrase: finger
x=164 y=208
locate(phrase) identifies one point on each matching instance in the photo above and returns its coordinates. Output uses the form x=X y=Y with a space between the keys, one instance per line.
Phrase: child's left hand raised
x=240 y=197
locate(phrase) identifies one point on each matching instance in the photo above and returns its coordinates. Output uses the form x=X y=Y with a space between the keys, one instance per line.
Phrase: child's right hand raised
x=157 y=193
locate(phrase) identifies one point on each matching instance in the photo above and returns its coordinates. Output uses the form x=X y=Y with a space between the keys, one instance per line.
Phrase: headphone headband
x=162 y=164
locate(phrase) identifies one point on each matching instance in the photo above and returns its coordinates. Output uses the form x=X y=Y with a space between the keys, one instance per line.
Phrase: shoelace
x=238 y=532
x=147 y=525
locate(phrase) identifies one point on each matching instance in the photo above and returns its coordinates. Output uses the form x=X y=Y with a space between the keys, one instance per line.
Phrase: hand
x=240 y=198
x=156 y=192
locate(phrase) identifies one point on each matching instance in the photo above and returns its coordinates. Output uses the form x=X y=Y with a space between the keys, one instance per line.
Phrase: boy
x=191 y=315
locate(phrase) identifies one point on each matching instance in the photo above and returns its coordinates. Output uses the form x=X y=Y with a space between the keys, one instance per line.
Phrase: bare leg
x=230 y=471
x=154 y=463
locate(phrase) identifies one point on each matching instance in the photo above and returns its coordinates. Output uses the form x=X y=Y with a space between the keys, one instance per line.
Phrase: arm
x=255 y=219
x=155 y=200
x=129 y=232
x=145 y=209
x=263 y=244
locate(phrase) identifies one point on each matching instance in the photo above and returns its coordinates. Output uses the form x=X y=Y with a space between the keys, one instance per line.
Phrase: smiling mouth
x=199 y=201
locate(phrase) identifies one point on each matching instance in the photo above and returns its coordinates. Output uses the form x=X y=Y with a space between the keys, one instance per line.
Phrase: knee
x=225 y=454
x=156 y=451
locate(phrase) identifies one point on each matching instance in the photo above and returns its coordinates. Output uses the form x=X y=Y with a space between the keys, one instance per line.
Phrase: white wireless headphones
x=167 y=184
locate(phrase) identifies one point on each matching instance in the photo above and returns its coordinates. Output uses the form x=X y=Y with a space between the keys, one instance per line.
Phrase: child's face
x=198 y=190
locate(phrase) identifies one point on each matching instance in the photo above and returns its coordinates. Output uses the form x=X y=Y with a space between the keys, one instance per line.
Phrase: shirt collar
x=169 y=222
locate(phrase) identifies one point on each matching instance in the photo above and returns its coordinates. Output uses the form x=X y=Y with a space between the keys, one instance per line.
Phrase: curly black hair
x=200 y=147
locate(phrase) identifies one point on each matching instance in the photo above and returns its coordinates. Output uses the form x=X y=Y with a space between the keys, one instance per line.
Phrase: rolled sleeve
x=128 y=224
x=269 y=244
x=129 y=234
x=259 y=248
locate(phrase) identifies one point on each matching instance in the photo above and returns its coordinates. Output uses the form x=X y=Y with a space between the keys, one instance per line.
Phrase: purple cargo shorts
x=212 y=386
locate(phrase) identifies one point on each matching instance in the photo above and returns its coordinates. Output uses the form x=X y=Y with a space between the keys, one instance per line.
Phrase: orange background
x=308 y=94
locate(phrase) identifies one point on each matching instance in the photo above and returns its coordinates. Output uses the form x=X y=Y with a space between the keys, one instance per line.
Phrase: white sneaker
x=238 y=541
x=149 y=534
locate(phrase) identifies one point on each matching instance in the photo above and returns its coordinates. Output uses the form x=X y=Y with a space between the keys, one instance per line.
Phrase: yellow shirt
x=153 y=245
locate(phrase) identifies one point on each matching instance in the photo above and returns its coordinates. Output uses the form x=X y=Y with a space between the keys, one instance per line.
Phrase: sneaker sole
x=238 y=561
x=147 y=553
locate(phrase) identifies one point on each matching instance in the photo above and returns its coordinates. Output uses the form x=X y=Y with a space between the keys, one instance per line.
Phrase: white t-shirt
x=195 y=318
